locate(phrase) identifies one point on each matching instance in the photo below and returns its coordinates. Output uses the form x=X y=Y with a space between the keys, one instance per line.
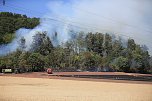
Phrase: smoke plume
x=127 y=18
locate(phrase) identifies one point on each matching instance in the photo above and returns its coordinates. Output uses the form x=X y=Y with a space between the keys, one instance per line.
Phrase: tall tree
x=22 y=45
x=107 y=44
x=117 y=48
x=95 y=42
x=41 y=43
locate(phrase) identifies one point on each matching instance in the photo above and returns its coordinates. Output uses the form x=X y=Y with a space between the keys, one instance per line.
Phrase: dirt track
x=39 y=89
x=70 y=76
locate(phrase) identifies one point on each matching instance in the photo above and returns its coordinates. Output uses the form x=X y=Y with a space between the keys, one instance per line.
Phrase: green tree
x=41 y=43
x=120 y=64
x=23 y=62
x=36 y=62
x=117 y=48
x=94 y=42
x=108 y=44
x=10 y=22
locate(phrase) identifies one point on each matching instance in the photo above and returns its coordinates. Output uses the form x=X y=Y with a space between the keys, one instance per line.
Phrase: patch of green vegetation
x=10 y=22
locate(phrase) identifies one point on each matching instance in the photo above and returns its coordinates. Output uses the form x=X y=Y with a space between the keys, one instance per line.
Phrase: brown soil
x=19 y=88
x=70 y=76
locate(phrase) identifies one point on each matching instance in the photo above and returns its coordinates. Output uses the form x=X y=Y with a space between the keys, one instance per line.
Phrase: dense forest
x=10 y=22
x=85 y=52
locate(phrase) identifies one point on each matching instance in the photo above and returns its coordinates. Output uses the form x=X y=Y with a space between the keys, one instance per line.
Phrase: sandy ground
x=39 y=89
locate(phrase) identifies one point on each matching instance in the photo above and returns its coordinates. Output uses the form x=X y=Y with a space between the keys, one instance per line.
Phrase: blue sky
x=32 y=8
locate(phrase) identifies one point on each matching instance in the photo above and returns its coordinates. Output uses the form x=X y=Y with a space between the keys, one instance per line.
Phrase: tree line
x=85 y=52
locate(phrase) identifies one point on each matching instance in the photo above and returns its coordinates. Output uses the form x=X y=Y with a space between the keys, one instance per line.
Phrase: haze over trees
x=10 y=22
x=86 y=51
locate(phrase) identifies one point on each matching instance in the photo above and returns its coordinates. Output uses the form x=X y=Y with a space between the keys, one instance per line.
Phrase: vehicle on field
x=7 y=70
x=49 y=71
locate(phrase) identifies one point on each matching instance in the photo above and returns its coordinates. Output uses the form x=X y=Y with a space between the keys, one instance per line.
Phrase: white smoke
x=124 y=17
x=127 y=18
x=46 y=24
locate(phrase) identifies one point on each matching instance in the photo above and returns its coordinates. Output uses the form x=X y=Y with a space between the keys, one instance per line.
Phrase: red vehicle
x=49 y=71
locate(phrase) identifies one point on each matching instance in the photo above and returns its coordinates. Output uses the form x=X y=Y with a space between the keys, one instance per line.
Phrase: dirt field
x=118 y=77
x=40 y=89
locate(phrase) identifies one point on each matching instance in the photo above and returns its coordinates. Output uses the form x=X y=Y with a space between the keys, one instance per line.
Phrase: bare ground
x=61 y=89
x=70 y=76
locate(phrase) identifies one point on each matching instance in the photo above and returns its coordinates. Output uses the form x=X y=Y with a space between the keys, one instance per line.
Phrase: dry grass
x=38 y=89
